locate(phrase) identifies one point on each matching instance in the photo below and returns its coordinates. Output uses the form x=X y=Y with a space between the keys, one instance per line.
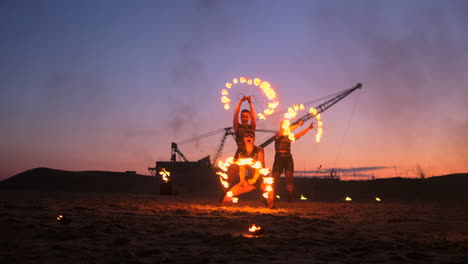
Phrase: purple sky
x=108 y=85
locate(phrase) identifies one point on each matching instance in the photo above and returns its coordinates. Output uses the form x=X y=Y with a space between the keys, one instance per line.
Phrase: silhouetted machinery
x=198 y=177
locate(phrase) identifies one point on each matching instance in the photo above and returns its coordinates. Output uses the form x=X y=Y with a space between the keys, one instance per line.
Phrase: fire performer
x=245 y=116
x=249 y=176
x=283 y=157
x=240 y=130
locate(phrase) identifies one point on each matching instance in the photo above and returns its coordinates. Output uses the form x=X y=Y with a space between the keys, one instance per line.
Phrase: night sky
x=108 y=85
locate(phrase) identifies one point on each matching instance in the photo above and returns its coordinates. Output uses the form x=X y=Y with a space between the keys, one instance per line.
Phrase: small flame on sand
x=254 y=228
x=378 y=199
x=303 y=197
x=348 y=199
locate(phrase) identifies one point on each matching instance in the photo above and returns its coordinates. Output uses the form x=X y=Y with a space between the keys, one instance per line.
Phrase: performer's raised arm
x=253 y=119
x=235 y=120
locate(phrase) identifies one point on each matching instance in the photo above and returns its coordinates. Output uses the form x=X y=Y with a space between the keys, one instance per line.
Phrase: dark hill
x=451 y=187
x=45 y=179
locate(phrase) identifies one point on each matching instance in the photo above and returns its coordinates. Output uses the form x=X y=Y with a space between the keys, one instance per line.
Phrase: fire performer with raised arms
x=251 y=160
x=240 y=130
x=283 y=157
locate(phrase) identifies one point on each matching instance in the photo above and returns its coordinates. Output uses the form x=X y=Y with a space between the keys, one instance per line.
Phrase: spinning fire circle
x=263 y=94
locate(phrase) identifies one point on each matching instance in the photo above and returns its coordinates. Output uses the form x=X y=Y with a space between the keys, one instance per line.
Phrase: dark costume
x=283 y=156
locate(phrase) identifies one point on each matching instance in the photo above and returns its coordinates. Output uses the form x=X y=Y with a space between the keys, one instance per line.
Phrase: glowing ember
x=62 y=219
x=378 y=199
x=165 y=175
x=348 y=199
x=303 y=197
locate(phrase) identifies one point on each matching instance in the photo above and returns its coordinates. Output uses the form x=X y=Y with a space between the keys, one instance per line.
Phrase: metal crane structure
x=321 y=108
x=229 y=131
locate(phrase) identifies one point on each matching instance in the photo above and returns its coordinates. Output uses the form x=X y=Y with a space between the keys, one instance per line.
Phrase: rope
x=340 y=148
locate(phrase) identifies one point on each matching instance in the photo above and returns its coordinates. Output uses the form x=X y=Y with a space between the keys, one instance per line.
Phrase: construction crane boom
x=321 y=108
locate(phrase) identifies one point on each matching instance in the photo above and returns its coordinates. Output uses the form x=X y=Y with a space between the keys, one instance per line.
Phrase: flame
x=278 y=197
x=257 y=165
x=224 y=183
x=263 y=85
x=313 y=111
x=266 y=88
x=165 y=174
x=269 y=188
x=268 y=180
x=242 y=162
x=348 y=199
x=254 y=228
x=229 y=194
x=266 y=195
x=235 y=199
x=225 y=99
x=273 y=104
x=303 y=197
x=378 y=199
x=222 y=174
x=301 y=107
x=264 y=171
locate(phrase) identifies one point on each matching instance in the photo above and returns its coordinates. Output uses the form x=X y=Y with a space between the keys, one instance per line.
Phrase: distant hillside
x=46 y=179
x=441 y=188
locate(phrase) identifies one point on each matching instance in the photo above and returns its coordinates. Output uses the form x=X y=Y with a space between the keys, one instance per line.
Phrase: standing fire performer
x=240 y=130
x=249 y=174
x=283 y=157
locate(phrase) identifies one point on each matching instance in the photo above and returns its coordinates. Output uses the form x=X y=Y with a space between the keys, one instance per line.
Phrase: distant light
x=278 y=197
x=348 y=199
x=303 y=197
x=378 y=199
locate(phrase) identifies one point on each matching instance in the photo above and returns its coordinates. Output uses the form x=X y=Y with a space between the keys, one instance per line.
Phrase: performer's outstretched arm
x=304 y=131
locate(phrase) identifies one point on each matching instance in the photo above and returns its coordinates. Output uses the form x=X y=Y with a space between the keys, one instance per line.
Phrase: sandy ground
x=116 y=228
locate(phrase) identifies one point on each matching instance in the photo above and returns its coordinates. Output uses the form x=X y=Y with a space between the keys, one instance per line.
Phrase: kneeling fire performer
x=251 y=161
